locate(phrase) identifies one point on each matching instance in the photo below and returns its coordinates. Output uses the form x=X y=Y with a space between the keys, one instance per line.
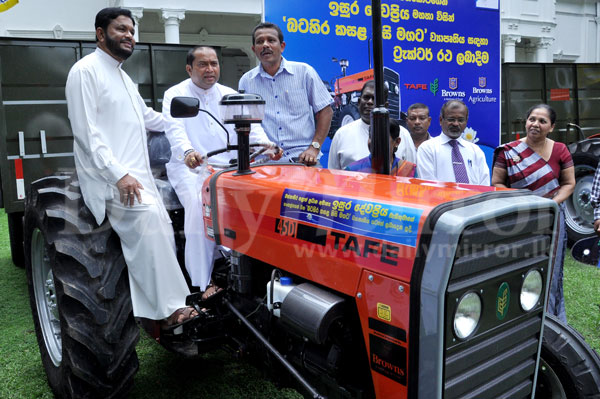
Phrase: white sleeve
x=175 y=130
x=82 y=93
x=333 y=161
x=483 y=175
x=258 y=135
x=426 y=161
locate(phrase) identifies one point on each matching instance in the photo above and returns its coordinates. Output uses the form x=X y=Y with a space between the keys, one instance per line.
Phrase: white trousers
x=200 y=251
x=157 y=285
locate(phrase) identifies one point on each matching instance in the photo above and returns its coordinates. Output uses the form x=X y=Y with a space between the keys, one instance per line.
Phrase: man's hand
x=309 y=156
x=193 y=159
x=275 y=152
x=597 y=226
x=129 y=189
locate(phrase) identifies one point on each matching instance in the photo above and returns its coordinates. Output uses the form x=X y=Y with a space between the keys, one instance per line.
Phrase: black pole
x=380 y=117
x=284 y=362
x=243 y=138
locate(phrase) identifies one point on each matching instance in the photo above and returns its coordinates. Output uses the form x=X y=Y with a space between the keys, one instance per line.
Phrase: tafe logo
x=416 y=86
x=502 y=301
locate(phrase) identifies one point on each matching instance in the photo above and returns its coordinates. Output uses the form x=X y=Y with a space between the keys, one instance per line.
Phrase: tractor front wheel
x=569 y=368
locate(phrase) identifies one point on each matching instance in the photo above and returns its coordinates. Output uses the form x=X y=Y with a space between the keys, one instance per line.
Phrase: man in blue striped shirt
x=298 y=111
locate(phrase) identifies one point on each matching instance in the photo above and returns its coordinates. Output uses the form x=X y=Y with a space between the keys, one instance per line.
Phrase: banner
x=434 y=51
x=6 y=4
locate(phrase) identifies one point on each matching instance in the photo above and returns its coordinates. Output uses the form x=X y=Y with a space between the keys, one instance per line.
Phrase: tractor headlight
x=467 y=315
x=531 y=289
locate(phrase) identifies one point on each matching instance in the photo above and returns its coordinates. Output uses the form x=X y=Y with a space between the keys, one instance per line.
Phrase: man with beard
x=450 y=158
x=109 y=121
x=297 y=112
x=191 y=139
x=417 y=123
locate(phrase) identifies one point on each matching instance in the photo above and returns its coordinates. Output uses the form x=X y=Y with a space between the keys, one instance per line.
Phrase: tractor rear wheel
x=579 y=213
x=79 y=294
x=569 y=368
x=15 y=234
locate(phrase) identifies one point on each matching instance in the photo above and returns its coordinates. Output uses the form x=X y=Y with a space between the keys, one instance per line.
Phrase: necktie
x=460 y=172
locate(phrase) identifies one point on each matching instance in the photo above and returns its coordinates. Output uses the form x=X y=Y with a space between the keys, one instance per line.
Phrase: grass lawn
x=216 y=375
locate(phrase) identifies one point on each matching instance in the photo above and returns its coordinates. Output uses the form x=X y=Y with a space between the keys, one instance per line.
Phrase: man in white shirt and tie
x=450 y=158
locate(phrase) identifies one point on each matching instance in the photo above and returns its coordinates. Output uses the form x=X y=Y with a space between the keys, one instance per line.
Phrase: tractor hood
x=327 y=225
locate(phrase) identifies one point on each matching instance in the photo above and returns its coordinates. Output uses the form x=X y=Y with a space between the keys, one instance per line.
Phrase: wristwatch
x=315 y=145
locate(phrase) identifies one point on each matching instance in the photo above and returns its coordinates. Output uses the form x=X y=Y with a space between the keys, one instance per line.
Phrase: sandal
x=178 y=318
x=210 y=290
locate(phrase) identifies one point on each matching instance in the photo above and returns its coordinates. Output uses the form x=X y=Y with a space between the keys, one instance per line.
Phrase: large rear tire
x=79 y=294
x=15 y=233
x=569 y=368
x=579 y=212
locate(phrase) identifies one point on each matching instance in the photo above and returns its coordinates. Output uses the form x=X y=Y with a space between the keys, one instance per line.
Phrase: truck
x=347 y=91
x=361 y=286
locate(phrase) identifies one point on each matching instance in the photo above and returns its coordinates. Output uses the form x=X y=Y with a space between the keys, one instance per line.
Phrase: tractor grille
x=498 y=360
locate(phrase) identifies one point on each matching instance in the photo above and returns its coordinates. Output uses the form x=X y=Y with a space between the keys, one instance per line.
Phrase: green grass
x=216 y=375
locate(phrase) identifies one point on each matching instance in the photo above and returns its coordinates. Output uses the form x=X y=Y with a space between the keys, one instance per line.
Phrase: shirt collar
x=446 y=139
x=202 y=92
x=107 y=58
x=283 y=66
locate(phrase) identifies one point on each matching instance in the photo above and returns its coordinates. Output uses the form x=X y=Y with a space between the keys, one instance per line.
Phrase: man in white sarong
x=191 y=139
x=109 y=121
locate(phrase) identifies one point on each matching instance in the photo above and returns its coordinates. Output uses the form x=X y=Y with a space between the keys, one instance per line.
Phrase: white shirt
x=349 y=144
x=406 y=150
x=434 y=161
x=109 y=120
x=202 y=132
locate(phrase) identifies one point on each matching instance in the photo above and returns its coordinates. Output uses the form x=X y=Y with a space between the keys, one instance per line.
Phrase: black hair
x=106 y=15
x=418 y=106
x=191 y=57
x=394 y=128
x=371 y=84
x=268 y=25
x=451 y=104
x=548 y=108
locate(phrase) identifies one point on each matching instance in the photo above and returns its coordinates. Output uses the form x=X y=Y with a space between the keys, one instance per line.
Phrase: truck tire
x=15 y=233
x=349 y=114
x=579 y=213
x=569 y=368
x=79 y=294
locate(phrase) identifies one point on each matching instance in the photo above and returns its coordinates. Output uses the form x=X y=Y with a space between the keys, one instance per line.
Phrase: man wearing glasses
x=450 y=158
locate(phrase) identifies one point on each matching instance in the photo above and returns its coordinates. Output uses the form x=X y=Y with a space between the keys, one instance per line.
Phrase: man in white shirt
x=191 y=139
x=450 y=158
x=417 y=123
x=109 y=121
x=350 y=142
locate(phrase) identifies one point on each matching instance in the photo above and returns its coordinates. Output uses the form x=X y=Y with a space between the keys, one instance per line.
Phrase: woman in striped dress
x=545 y=167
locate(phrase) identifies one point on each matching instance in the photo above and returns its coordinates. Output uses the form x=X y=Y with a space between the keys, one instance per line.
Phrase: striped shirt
x=292 y=98
x=596 y=194
x=526 y=169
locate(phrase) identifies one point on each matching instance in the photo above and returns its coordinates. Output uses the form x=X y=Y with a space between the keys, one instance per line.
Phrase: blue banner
x=434 y=50
x=385 y=222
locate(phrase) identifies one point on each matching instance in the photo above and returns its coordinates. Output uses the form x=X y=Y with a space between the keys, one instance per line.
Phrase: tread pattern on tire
x=572 y=359
x=98 y=330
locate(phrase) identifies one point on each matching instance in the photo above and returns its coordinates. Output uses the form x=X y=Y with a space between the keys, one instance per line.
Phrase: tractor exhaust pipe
x=313 y=392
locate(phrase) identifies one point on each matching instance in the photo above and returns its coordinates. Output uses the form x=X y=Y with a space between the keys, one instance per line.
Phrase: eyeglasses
x=453 y=120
